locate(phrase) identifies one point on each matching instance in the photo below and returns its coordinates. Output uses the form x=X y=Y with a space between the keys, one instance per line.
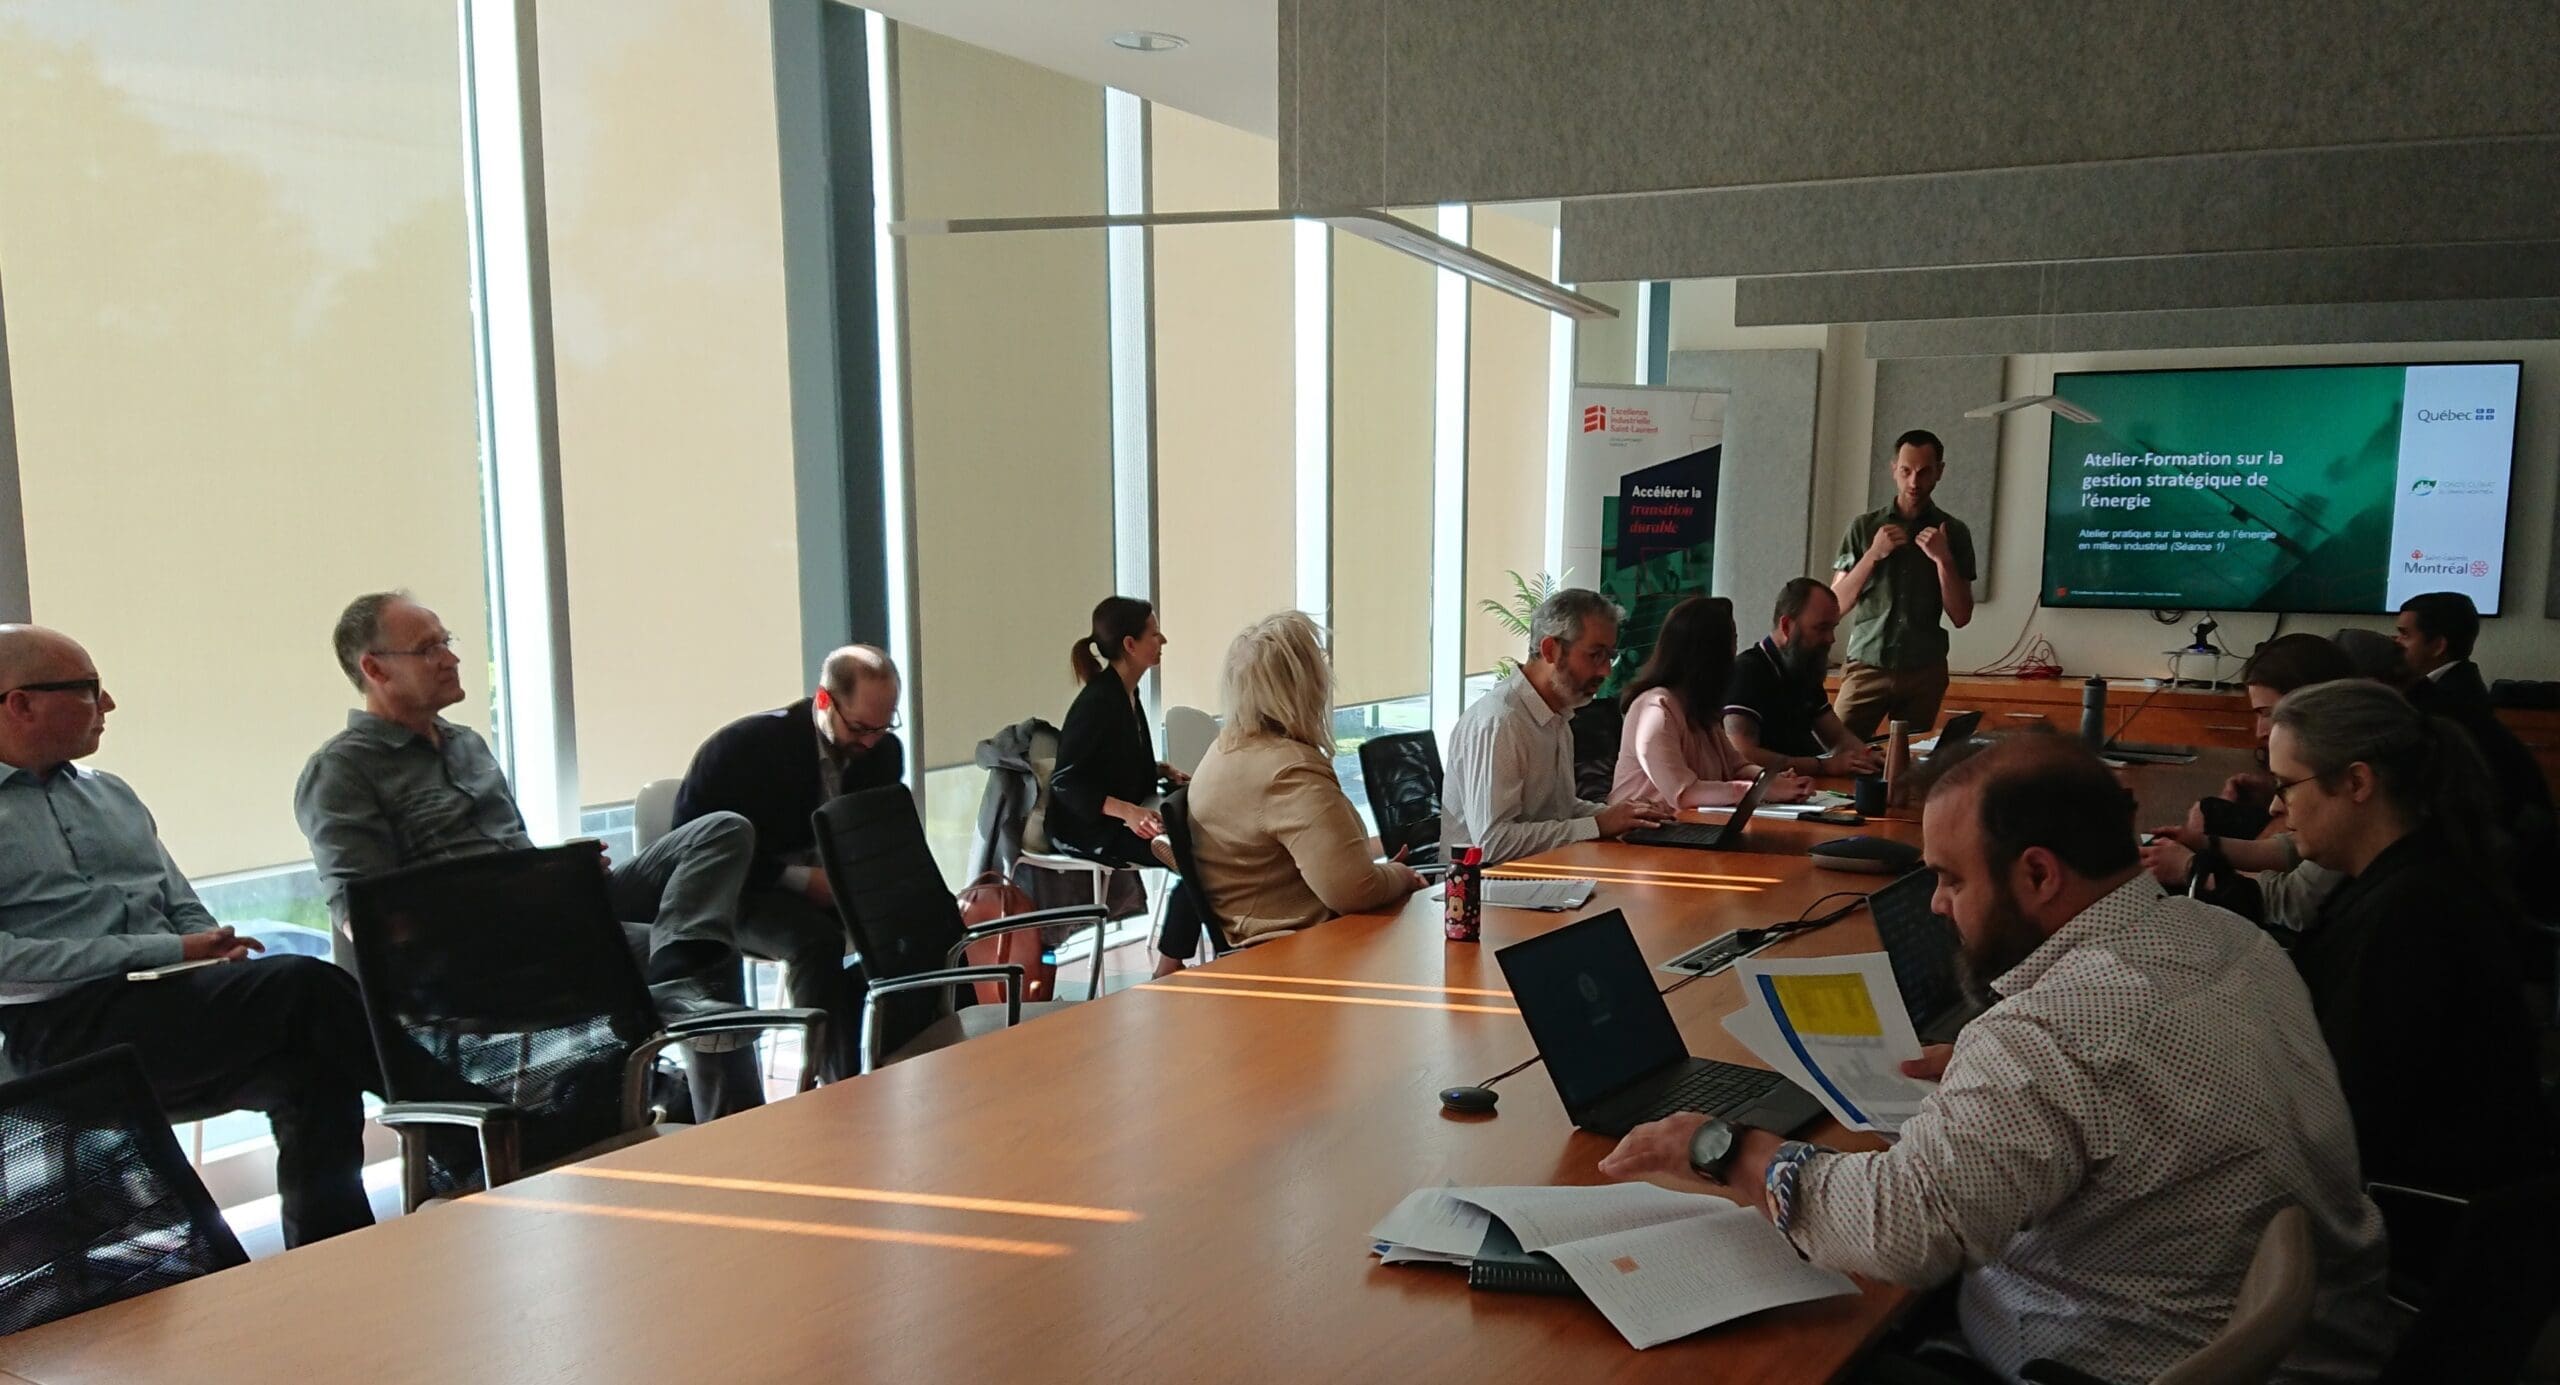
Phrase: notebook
x=1501 y=1266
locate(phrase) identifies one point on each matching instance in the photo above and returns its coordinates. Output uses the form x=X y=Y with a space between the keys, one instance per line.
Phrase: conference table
x=1174 y=1182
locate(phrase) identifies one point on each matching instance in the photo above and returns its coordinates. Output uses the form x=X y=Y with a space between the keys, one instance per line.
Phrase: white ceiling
x=1228 y=73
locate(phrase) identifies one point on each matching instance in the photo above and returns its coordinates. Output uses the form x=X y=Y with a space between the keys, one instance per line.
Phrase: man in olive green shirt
x=1899 y=568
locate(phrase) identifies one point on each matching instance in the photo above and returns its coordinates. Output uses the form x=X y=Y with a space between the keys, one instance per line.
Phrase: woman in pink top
x=1672 y=746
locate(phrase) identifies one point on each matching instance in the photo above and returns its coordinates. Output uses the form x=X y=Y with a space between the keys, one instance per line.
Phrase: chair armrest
x=1077 y=914
x=1010 y=973
x=1040 y=918
x=812 y=1024
x=2048 y=1372
x=494 y=1122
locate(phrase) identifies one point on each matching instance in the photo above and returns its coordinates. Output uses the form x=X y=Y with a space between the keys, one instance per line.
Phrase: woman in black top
x=1107 y=772
x=2412 y=964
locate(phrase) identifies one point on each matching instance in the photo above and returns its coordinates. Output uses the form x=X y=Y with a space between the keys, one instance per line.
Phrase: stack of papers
x=1659 y=1265
x=1837 y=1027
x=1823 y=800
x=1554 y=896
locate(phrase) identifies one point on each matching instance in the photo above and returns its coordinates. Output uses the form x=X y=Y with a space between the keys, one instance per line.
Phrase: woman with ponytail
x=1107 y=768
x=2413 y=962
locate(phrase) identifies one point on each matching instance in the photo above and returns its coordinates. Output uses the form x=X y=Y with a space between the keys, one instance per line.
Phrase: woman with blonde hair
x=1276 y=844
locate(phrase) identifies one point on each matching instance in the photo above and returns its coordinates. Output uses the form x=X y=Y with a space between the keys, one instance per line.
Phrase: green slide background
x=2329 y=505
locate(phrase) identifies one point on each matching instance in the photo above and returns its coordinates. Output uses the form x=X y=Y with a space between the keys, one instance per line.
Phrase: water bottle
x=1462 y=895
x=2093 y=712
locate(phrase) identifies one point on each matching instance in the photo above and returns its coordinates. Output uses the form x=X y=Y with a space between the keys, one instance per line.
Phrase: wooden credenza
x=2177 y=716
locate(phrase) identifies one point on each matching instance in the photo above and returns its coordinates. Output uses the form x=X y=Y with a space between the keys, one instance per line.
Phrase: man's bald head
x=52 y=710
x=35 y=654
x=857 y=698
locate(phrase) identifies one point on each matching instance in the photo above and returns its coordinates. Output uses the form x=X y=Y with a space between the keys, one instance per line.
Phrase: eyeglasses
x=2283 y=785
x=425 y=651
x=86 y=689
x=835 y=708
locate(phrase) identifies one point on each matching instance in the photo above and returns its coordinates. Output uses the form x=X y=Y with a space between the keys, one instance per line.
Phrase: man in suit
x=774 y=769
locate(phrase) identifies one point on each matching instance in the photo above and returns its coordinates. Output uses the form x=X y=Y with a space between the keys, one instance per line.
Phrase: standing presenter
x=1900 y=569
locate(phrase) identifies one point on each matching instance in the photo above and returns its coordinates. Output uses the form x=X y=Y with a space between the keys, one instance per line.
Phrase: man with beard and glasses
x=1776 y=712
x=1509 y=787
x=2108 y=1139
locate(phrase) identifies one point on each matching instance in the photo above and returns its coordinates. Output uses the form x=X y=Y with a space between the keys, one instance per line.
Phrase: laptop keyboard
x=1714 y=1089
x=1699 y=834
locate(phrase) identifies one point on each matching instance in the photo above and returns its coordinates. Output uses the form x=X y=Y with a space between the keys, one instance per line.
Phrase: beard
x=2008 y=938
x=1807 y=664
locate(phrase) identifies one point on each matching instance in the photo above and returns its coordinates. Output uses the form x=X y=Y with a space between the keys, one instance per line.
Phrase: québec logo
x=2483 y=414
x=1595 y=418
x=2422 y=486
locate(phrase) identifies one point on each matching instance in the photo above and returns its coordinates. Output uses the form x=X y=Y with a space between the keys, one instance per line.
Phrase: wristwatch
x=1711 y=1150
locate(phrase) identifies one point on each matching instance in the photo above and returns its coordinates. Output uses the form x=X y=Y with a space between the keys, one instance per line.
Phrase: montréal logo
x=2482 y=414
x=1595 y=418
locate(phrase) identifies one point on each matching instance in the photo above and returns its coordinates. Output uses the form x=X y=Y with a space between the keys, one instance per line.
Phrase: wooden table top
x=1176 y=1181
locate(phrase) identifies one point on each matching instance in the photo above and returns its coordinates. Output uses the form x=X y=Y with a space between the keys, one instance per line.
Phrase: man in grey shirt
x=1509 y=787
x=401 y=786
x=89 y=895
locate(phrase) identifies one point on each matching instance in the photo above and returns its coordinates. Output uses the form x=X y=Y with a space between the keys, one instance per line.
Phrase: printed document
x=1836 y=1027
x=1658 y=1264
x=1822 y=801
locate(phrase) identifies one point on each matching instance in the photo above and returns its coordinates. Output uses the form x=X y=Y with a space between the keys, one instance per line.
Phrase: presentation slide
x=2293 y=488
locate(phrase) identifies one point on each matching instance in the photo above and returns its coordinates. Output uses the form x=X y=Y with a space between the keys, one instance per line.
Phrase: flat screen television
x=2334 y=488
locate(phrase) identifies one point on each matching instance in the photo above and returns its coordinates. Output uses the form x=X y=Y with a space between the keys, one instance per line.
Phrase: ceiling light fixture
x=2055 y=402
x=1395 y=233
x=1148 y=41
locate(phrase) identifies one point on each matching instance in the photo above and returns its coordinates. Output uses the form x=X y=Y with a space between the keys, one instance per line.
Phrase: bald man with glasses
x=774 y=768
x=89 y=897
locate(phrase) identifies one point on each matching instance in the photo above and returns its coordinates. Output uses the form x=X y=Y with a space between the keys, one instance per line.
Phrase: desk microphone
x=1479 y=1099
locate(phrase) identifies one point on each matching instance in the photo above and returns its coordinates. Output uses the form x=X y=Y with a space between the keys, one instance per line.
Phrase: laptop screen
x=1920 y=944
x=1590 y=1004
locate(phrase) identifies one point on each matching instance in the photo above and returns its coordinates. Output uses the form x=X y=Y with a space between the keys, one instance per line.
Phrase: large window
x=1008 y=352
x=665 y=209
x=1383 y=334
x=1225 y=486
x=241 y=347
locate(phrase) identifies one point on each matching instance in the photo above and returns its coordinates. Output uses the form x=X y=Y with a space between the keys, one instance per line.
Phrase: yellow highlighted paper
x=1836 y=1004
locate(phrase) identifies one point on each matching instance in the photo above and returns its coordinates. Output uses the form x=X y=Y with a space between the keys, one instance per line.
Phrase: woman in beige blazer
x=1276 y=843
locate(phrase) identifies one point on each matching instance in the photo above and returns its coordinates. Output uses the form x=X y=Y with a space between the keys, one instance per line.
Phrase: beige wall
x=1382 y=383
x=1009 y=396
x=240 y=343
x=1509 y=422
x=1224 y=395
x=675 y=432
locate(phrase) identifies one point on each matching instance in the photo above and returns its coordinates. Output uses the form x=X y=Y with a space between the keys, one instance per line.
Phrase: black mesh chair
x=97 y=1202
x=507 y=977
x=890 y=893
x=1403 y=774
x=1176 y=812
x=2486 y=1296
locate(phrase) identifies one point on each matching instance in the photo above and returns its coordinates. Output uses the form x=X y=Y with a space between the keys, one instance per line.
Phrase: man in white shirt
x=1509 y=784
x=2110 y=1137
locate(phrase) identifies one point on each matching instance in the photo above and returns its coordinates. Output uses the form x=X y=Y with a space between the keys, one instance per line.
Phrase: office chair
x=891 y=895
x=510 y=975
x=2274 y=1305
x=1040 y=853
x=653 y=812
x=1177 y=832
x=1402 y=771
x=97 y=1202
x=2484 y=1301
x=1188 y=734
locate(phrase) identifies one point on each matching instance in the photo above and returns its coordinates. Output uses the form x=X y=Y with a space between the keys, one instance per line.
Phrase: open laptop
x=1926 y=958
x=1956 y=744
x=1708 y=836
x=1610 y=1044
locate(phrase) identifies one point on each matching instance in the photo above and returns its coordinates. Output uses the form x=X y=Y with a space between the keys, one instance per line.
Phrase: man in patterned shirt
x=2108 y=1139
